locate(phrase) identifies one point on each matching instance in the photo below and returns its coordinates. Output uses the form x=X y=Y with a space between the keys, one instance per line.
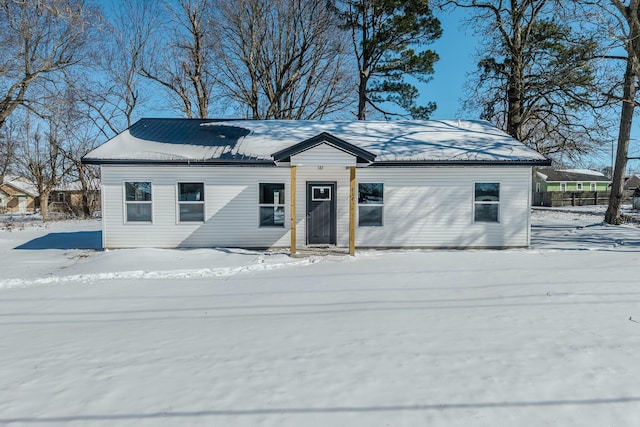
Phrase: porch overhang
x=362 y=157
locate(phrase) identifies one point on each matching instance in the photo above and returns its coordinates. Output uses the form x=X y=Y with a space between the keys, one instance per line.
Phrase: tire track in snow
x=144 y=274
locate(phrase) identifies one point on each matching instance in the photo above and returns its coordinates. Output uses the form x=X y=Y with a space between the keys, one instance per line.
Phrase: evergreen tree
x=388 y=41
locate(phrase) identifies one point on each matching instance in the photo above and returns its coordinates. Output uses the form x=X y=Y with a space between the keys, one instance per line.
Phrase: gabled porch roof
x=363 y=156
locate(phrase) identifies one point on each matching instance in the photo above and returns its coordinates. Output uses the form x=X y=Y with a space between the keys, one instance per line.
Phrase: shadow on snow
x=68 y=240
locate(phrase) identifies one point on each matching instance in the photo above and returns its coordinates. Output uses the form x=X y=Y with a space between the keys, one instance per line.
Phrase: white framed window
x=486 y=202
x=191 y=202
x=579 y=186
x=537 y=187
x=592 y=186
x=61 y=197
x=271 y=205
x=370 y=204
x=563 y=186
x=320 y=193
x=138 y=201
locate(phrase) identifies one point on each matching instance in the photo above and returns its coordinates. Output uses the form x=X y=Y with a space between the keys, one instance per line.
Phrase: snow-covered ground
x=148 y=337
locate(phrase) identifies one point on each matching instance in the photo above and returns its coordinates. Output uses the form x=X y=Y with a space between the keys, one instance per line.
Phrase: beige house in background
x=17 y=195
x=67 y=198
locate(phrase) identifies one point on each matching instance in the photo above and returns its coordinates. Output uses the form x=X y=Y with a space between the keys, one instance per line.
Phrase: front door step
x=319 y=250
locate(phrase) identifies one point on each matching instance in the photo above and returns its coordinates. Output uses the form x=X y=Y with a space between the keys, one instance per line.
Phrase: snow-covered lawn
x=539 y=337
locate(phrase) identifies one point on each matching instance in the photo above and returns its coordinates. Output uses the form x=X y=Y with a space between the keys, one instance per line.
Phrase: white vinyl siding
x=432 y=207
x=323 y=155
x=423 y=207
x=231 y=208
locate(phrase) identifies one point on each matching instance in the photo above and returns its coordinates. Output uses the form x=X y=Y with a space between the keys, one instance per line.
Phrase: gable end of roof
x=362 y=155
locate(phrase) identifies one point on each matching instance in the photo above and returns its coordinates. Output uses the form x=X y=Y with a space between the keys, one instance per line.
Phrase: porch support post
x=293 y=209
x=352 y=210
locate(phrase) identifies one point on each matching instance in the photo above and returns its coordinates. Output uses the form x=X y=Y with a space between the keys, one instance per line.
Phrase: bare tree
x=113 y=89
x=40 y=39
x=626 y=21
x=132 y=37
x=176 y=57
x=8 y=144
x=82 y=138
x=537 y=74
x=41 y=159
x=77 y=132
x=281 y=59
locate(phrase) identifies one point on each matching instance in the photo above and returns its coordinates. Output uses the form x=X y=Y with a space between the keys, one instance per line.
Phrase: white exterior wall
x=231 y=207
x=433 y=207
x=423 y=207
x=323 y=155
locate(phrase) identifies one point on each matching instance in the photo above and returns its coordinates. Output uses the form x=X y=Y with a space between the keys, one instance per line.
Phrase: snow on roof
x=542 y=175
x=77 y=186
x=21 y=184
x=551 y=175
x=246 y=141
x=583 y=171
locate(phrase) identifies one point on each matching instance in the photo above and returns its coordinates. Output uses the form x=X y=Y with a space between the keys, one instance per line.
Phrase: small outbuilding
x=294 y=184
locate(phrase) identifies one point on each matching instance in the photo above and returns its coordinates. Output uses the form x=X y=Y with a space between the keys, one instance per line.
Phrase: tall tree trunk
x=613 y=215
x=86 y=208
x=515 y=92
x=364 y=65
x=44 y=204
x=514 y=99
x=362 y=97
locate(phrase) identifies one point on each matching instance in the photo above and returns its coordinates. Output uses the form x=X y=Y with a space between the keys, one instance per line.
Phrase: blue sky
x=457 y=49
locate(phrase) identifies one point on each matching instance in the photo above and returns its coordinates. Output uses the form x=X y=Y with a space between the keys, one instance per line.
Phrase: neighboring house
x=67 y=197
x=632 y=186
x=17 y=195
x=4 y=198
x=238 y=183
x=570 y=180
x=632 y=183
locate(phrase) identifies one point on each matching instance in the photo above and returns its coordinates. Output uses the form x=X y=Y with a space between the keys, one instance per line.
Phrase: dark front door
x=321 y=213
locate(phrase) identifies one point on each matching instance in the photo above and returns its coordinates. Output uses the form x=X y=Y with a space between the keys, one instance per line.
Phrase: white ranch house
x=297 y=184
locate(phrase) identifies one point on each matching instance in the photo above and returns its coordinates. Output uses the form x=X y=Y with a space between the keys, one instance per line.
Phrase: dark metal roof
x=257 y=143
x=562 y=176
x=632 y=182
x=187 y=131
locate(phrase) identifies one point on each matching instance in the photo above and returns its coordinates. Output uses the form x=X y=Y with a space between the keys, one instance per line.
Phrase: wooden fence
x=575 y=198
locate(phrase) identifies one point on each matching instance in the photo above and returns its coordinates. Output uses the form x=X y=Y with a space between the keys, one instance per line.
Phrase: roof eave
x=417 y=163
x=189 y=162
